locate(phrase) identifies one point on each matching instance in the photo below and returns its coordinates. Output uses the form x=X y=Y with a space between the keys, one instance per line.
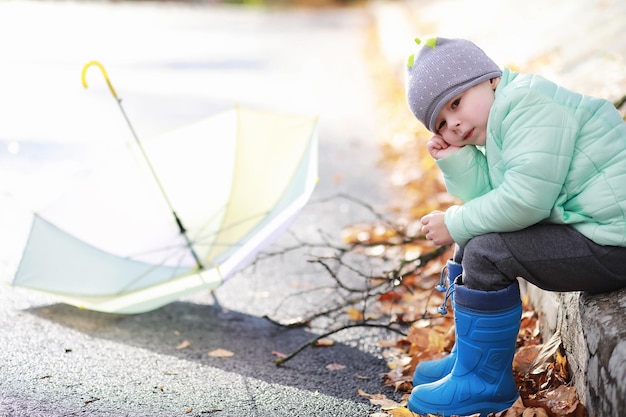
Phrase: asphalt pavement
x=172 y=64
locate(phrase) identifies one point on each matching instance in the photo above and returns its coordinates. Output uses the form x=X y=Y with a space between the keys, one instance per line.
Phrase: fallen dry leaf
x=385 y=403
x=183 y=345
x=515 y=410
x=402 y=412
x=354 y=314
x=335 y=366
x=534 y=412
x=220 y=353
x=561 y=401
x=387 y=343
x=525 y=357
x=325 y=342
x=363 y=393
x=546 y=355
x=376 y=397
x=390 y=296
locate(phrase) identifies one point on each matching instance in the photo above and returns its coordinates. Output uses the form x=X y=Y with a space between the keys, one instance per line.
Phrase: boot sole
x=484 y=408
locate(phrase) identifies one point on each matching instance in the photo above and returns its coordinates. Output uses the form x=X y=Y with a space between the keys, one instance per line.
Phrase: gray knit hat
x=443 y=69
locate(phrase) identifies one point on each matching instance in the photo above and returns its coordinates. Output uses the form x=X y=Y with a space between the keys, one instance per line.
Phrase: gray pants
x=553 y=257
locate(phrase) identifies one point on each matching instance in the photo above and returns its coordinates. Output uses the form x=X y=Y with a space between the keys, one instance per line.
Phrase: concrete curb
x=593 y=334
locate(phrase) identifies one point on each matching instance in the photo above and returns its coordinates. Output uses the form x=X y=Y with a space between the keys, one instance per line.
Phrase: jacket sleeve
x=465 y=173
x=535 y=140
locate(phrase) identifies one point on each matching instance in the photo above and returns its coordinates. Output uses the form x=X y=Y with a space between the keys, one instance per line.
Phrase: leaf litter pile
x=540 y=367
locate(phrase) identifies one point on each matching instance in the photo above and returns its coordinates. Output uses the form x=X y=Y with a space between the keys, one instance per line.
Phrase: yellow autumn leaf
x=436 y=341
x=356 y=233
x=382 y=234
x=354 y=314
x=561 y=359
x=401 y=412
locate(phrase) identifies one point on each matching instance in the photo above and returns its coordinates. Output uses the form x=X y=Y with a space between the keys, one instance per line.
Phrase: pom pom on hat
x=443 y=69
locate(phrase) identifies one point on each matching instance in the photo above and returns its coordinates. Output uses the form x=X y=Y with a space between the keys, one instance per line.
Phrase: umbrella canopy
x=233 y=181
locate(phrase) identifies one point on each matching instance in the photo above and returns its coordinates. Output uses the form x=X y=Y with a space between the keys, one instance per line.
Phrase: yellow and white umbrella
x=173 y=214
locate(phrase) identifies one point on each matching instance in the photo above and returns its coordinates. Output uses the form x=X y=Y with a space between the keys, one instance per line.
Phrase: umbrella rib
x=181 y=228
x=149 y=270
x=203 y=235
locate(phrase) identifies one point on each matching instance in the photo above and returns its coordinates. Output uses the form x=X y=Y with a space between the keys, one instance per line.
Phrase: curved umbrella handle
x=104 y=73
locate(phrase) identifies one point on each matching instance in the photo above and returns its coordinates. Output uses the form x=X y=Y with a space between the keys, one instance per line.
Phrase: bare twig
x=345 y=264
x=356 y=200
x=311 y=342
x=319 y=314
x=419 y=262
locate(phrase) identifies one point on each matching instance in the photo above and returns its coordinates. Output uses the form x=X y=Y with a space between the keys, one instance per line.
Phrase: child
x=541 y=172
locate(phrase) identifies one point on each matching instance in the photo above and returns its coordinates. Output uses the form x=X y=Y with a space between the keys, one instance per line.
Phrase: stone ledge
x=593 y=330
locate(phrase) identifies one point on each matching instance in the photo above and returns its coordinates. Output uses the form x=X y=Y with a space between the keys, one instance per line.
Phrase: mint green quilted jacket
x=551 y=155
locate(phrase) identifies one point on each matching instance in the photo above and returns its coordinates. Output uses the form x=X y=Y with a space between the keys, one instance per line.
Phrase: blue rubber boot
x=431 y=371
x=481 y=381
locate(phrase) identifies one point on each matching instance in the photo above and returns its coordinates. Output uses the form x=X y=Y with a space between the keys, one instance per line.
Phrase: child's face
x=463 y=120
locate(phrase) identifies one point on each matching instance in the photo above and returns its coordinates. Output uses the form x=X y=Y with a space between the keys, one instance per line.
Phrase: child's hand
x=435 y=229
x=439 y=148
